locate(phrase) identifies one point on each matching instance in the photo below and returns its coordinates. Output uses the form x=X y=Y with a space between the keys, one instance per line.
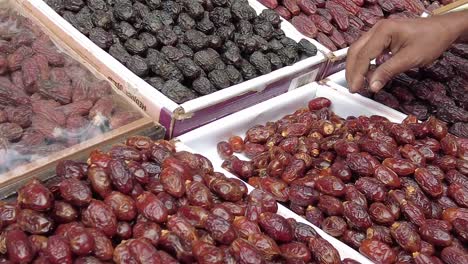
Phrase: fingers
x=367 y=49
x=352 y=79
x=400 y=62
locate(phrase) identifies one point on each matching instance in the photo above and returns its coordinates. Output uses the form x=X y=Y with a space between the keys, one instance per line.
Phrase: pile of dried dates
x=397 y=192
x=336 y=24
x=144 y=202
x=439 y=89
x=48 y=101
x=185 y=48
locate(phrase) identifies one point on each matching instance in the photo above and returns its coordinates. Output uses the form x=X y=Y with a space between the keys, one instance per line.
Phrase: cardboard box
x=179 y=119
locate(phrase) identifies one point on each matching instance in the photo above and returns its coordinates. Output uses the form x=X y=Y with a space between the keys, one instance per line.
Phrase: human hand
x=412 y=42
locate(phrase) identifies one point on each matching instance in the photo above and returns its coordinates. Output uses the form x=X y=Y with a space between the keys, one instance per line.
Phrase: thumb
x=397 y=64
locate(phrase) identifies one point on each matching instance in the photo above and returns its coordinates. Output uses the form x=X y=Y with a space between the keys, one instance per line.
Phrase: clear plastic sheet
x=48 y=100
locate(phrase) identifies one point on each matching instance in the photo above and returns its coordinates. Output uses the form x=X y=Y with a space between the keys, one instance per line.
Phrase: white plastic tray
x=204 y=140
x=344 y=250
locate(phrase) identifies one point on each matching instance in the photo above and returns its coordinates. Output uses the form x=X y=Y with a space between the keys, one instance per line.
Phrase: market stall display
x=439 y=89
x=348 y=176
x=186 y=49
x=389 y=189
x=51 y=104
x=145 y=202
x=336 y=24
x=177 y=117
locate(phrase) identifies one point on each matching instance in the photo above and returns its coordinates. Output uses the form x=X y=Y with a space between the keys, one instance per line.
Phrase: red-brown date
x=34 y=222
x=428 y=182
x=100 y=216
x=143 y=251
x=151 y=207
x=220 y=211
x=196 y=215
x=356 y=215
x=125 y=152
x=169 y=202
x=413 y=213
x=173 y=182
x=8 y=213
x=459 y=194
x=334 y=226
x=64 y=212
x=38 y=243
x=75 y=192
x=406 y=236
x=314 y=215
x=460 y=226
x=353 y=238
x=381 y=214
x=341 y=170
x=387 y=176
x=377 y=251
x=344 y=147
x=199 y=195
x=381 y=233
x=303 y=232
x=245 y=227
x=18 y=246
x=205 y=253
x=182 y=228
x=124 y=230
x=293 y=171
x=302 y=195
x=319 y=103
x=103 y=248
x=171 y=243
x=330 y=185
x=416 y=196
x=453 y=255
x=276 y=226
x=372 y=188
x=295 y=251
x=81 y=241
x=265 y=244
x=220 y=229
x=402 y=134
x=353 y=195
x=35 y=196
x=323 y=251
x=224 y=150
x=245 y=252
x=122 y=205
x=330 y=205
x=120 y=176
x=359 y=163
x=435 y=235
x=410 y=152
x=58 y=250
x=148 y=230
x=100 y=181
x=400 y=166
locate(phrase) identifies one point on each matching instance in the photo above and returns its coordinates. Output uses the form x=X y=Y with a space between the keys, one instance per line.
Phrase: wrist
x=456 y=25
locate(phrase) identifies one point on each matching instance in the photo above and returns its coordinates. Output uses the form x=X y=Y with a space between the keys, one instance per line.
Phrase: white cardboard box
x=179 y=119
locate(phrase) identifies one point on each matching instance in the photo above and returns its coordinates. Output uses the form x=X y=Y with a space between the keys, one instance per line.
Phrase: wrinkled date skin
x=377 y=251
x=100 y=216
x=151 y=207
x=323 y=251
x=276 y=227
x=35 y=196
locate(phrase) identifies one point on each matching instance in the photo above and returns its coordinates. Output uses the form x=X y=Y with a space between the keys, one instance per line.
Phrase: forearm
x=457 y=24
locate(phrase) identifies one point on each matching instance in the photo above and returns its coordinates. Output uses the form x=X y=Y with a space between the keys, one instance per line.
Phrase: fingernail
x=376 y=86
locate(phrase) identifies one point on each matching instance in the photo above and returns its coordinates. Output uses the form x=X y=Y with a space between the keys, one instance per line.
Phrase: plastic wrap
x=49 y=100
